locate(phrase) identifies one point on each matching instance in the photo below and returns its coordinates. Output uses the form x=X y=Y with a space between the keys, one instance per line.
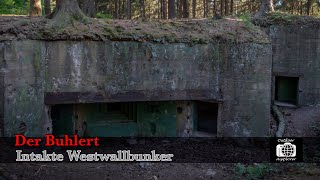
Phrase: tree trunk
x=214 y=8
x=226 y=7
x=265 y=7
x=142 y=9
x=35 y=8
x=194 y=7
x=88 y=7
x=47 y=7
x=186 y=8
x=308 y=7
x=221 y=7
x=231 y=7
x=171 y=9
x=66 y=12
x=204 y=2
x=129 y=9
x=124 y=9
x=116 y=10
x=164 y=9
x=181 y=10
x=207 y=8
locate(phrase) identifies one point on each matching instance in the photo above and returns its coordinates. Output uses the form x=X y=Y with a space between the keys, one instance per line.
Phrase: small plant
x=104 y=16
x=255 y=171
x=246 y=18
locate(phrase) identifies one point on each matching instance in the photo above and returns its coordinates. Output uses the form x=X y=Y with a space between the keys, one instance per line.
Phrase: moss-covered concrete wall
x=296 y=53
x=39 y=73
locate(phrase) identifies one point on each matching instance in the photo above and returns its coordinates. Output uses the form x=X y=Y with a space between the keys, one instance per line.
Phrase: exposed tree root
x=65 y=13
x=279 y=117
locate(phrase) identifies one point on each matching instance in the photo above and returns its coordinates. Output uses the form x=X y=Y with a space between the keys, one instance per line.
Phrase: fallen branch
x=279 y=117
x=41 y=168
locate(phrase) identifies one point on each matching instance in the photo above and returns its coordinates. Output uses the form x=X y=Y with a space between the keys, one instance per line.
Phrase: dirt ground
x=299 y=121
x=149 y=171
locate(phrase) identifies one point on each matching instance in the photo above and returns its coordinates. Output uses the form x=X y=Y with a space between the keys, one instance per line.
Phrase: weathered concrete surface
x=236 y=75
x=2 y=67
x=246 y=90
x=185 y=118
x=296 y=53
x=24 y=87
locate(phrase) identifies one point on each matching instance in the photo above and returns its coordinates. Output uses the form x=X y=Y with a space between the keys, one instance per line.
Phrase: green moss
x=282 y=17
x=111 y=31
x=119 y=29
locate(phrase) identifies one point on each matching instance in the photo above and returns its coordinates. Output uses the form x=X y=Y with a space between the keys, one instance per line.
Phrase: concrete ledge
x=130 y=96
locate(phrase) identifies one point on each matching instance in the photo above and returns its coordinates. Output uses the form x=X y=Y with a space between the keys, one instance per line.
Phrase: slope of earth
x=198 y=31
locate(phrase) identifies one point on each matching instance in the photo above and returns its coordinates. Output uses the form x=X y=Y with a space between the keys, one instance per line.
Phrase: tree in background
x=129 y=9
x=142 y=9
x=47 y=7
x=265 y=7
x=165 y=9
x=88 y=7
x=35 y=8
x=171 y=9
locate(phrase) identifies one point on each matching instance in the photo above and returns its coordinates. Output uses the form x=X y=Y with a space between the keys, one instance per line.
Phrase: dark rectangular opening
x=207 y=117
x=286 y=89
x=76 y=118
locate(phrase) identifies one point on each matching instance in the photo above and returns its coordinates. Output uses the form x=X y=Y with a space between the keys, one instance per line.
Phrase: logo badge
x=286 y=150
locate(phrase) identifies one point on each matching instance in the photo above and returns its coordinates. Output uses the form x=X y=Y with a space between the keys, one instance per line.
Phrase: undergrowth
x=255 y=171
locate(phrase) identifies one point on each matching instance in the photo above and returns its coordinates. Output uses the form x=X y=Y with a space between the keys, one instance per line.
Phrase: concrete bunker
x=75 y=80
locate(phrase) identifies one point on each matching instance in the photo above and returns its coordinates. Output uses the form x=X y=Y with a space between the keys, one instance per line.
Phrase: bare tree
x=226 y=7
x=116 y=9
x=194 y=7
x=171 y=9
x=185 y=6
x=214 y=7
x=265 y=7
x=164 y=9
x=231 y=7
x=309 y=4
x=47 y=7
x=88 y=7
x=204 y=8
x=35 y=8
x=142 y=9
x=129 y=9
x=221 y=7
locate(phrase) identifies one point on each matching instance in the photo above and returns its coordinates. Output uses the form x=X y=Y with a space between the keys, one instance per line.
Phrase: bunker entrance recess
x=128 y=119
x=206 y=117
x=286 y=90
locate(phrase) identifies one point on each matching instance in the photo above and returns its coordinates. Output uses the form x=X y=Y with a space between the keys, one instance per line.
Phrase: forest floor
x=155 y=171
